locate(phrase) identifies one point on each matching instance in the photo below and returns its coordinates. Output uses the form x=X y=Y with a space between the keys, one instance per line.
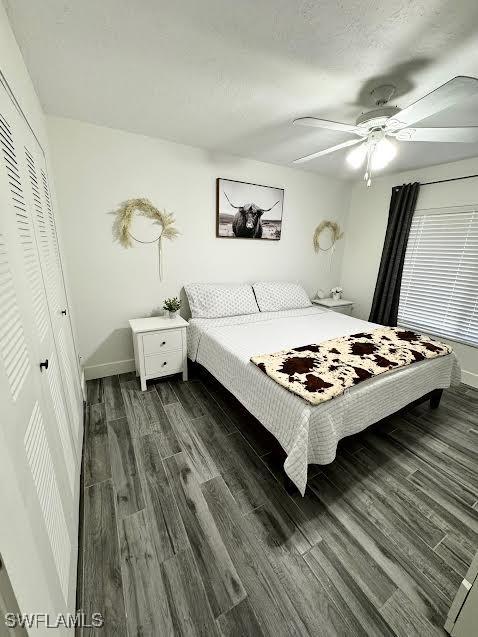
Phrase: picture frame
x=248 y=211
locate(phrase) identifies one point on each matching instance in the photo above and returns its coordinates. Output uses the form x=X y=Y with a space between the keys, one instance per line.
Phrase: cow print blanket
x=320 y=372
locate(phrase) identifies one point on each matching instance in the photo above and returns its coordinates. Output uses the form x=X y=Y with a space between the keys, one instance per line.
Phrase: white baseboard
x=109 y=369
x=469 y=378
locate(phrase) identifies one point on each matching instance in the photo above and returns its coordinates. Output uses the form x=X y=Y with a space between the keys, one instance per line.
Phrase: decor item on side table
x=248 y=211
x=173 y=306
x=160 y=347
x=336 y=293
x=124 y=218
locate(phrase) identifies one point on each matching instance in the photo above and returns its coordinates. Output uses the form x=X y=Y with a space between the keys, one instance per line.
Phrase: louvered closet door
x=49 y=253
x=39 y=465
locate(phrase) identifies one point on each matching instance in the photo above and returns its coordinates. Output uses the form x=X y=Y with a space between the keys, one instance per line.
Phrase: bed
x=308 y=433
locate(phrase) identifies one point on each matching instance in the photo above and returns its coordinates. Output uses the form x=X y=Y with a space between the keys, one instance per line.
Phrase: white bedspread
x=309 y=434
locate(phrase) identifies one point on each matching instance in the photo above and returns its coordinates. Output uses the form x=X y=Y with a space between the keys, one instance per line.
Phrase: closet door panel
x=39 y=544
x=65 y=344
x=53 y=277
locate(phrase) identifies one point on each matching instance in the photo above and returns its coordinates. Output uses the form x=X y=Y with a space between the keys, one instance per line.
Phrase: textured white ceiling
x=231 y=75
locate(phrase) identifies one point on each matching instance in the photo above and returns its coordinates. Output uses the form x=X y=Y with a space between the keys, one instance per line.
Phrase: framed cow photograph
x=248 y=211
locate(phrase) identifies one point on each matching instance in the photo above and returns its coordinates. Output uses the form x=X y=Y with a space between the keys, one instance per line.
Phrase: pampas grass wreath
x=124 y=217
x=335 y=231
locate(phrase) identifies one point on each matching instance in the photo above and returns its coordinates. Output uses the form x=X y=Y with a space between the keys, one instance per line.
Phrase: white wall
x=367 y=223
x=97 y=168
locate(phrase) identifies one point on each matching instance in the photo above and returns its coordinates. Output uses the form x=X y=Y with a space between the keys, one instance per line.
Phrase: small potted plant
x=336 y=293
x=172 y=305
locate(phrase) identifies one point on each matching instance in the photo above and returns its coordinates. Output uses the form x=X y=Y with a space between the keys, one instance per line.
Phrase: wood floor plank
x=146 y=415
x=437 y=505
x=369 y=575
x=211 y=407
x=274 y=461
x=453 y=463
x=281 y=529
x=449 y=498
x=405 y=619
x=266 y=595
x=411 y=462
x=401 y=497
x=103 y=587
x=223 y=586
x=456 y=553
x=97 y=460
x=113 y=398
x=191 y=443
x=165 y=524
x=310 y=599
x=188 y=398
x=252 y=484
x=147 y=609
x=240 y=621
x=135 y=408
x=166 y=392
x=235 y=461
x=405 y=570
x=94 y=391
x=216 y=539
x=128 y=377
x=350 y=599
x=187 y=601
x=437 y=425
x=407 y=542
x=124 y=468
x=260 y=439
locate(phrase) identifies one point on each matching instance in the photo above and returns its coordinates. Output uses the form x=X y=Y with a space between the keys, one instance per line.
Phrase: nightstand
x=160 y=347
x=342 y=305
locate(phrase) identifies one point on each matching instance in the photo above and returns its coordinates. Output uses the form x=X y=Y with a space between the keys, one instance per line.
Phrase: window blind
x=439 y=292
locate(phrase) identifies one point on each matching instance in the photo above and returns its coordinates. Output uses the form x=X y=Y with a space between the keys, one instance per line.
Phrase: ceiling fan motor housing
x=376 y=118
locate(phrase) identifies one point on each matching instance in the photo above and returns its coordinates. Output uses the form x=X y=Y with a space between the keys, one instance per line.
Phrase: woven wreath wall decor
x=124 y=218
x=335 y=233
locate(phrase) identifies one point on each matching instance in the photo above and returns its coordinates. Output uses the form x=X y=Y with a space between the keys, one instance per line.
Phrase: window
x=439 y=293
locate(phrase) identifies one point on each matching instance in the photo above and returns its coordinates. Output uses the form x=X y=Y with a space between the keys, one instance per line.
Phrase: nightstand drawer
x=162 y=364
x=165 y=341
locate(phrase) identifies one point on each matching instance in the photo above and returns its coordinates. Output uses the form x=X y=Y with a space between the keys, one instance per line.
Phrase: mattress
x=308 y=434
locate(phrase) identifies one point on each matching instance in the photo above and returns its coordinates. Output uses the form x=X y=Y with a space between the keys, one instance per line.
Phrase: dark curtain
x=387 y=289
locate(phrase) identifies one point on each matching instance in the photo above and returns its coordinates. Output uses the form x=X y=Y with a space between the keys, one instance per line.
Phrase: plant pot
x=173 y=314
x=336 y=296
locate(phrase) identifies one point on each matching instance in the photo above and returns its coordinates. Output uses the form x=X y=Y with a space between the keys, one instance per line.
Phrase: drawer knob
x=163 y=343
x=165 y=363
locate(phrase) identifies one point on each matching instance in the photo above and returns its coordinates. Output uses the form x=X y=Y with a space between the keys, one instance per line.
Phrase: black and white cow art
x=247 y=220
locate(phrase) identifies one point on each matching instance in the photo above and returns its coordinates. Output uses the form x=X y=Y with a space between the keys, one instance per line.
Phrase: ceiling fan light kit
x=375 y=127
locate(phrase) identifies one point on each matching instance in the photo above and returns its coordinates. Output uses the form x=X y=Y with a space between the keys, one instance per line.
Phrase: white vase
x=336 y=296
x=173 y=314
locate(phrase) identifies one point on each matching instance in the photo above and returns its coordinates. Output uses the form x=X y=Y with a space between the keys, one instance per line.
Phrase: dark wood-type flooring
x=191 y=527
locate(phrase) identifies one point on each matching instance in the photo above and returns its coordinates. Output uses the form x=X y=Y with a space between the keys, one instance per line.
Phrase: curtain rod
x=442 y=181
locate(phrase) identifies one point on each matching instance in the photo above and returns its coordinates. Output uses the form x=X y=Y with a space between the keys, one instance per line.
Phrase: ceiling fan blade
x=325 y=123
x=332 y=149
x=462 y=135
x=454 y=91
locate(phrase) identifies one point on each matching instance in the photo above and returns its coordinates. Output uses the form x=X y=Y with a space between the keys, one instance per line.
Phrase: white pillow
x=272 y=296
x=213 y=300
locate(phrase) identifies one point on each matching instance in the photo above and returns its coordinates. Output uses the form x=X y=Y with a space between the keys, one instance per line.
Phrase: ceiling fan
x=375 y=127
